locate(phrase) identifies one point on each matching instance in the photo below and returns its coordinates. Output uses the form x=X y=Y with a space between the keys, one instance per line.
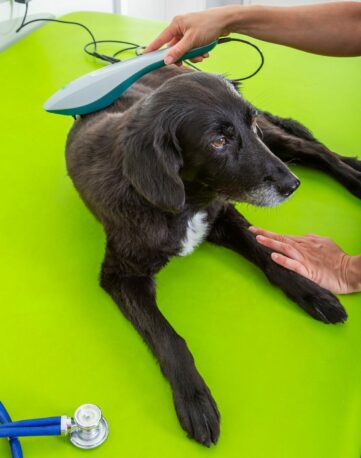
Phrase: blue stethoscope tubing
x=50 y=426
x=8 y=430
x=15 y=446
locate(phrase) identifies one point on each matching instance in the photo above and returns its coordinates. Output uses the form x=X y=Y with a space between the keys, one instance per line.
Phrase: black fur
x=150 y=162
x=291 y=141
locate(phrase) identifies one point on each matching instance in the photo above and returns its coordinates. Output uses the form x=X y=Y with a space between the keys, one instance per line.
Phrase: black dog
x=159 y=169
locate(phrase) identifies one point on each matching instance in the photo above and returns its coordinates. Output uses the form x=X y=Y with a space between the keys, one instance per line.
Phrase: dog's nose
x=288 y=187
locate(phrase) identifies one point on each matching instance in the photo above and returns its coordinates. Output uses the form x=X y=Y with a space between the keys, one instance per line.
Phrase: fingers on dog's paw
x=328 y=309
x=199 y=416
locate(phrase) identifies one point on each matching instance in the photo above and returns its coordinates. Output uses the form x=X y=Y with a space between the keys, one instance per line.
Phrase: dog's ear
x=152 y=160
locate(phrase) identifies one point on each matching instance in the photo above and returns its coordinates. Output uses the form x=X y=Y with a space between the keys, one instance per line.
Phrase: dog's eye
x=219 y=143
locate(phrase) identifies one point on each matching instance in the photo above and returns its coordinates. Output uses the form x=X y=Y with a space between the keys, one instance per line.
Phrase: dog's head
x=196 y=128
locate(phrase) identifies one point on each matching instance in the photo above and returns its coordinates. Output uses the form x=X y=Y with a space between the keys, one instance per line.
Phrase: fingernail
x=252 y=228
x=261 y=239
x=168 y=60
x=274 y=256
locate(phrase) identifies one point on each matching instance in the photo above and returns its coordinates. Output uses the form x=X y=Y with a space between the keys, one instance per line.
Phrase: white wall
x=59 y=7
x=152 y=9
x=11 y=14
x=160 y=9
x=288 y=2
x=166 y=9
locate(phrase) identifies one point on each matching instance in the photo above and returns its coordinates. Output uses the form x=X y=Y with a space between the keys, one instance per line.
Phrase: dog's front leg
x=291 y=141
x=194 y=404
x=230 y=229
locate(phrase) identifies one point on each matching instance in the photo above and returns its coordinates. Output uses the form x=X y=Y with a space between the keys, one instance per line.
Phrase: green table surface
x=287 y=386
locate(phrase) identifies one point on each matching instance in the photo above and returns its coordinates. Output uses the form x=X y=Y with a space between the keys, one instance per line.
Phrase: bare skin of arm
x=317 y=258
x=332 y=29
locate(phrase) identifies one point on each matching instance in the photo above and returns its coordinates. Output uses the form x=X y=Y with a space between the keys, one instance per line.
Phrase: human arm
x=332 y=29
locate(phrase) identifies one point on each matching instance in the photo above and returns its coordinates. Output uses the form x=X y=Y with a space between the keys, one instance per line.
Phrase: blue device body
x=100 y=88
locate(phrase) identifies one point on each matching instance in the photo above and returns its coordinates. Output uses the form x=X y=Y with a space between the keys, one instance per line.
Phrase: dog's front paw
x=324 y=306
x=198 y=413
x=316 y=301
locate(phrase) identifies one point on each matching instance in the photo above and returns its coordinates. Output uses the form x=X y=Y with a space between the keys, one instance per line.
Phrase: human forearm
x=331 y=29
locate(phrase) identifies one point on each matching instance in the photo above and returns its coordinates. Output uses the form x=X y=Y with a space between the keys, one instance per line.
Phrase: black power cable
x=227 y=40
x=132 y=46
x=93 y=43
x=111 y=59
x=24 y=18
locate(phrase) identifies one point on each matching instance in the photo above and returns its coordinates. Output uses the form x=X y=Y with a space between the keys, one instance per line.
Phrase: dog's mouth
x=259 y=196
x=264 y=196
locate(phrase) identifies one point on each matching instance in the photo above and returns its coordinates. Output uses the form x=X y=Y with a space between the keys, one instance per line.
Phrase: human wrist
x=242 y=19
x=354 y=274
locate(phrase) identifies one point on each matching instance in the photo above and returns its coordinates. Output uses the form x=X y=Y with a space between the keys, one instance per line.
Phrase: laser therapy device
x=98 y=89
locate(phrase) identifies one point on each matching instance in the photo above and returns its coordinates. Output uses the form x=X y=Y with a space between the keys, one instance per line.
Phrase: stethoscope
x=87 y=429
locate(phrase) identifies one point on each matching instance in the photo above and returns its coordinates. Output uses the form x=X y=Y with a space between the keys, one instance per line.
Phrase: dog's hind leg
x=291 y=141
x=230 y=229
x=194 y=404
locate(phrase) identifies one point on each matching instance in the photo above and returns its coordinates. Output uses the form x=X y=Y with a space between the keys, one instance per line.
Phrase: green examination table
x=287 y=386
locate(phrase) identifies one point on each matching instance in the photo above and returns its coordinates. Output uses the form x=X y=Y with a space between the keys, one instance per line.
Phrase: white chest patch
x=197 y=229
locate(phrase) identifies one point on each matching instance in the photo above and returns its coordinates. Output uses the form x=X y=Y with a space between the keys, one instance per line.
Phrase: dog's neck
x=198 y=195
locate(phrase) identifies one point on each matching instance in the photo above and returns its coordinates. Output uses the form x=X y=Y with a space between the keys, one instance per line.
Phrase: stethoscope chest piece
x=89 y=428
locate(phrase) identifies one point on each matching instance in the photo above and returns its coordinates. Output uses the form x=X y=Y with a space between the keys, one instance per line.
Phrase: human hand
x=317 y=258
x=190 y=31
